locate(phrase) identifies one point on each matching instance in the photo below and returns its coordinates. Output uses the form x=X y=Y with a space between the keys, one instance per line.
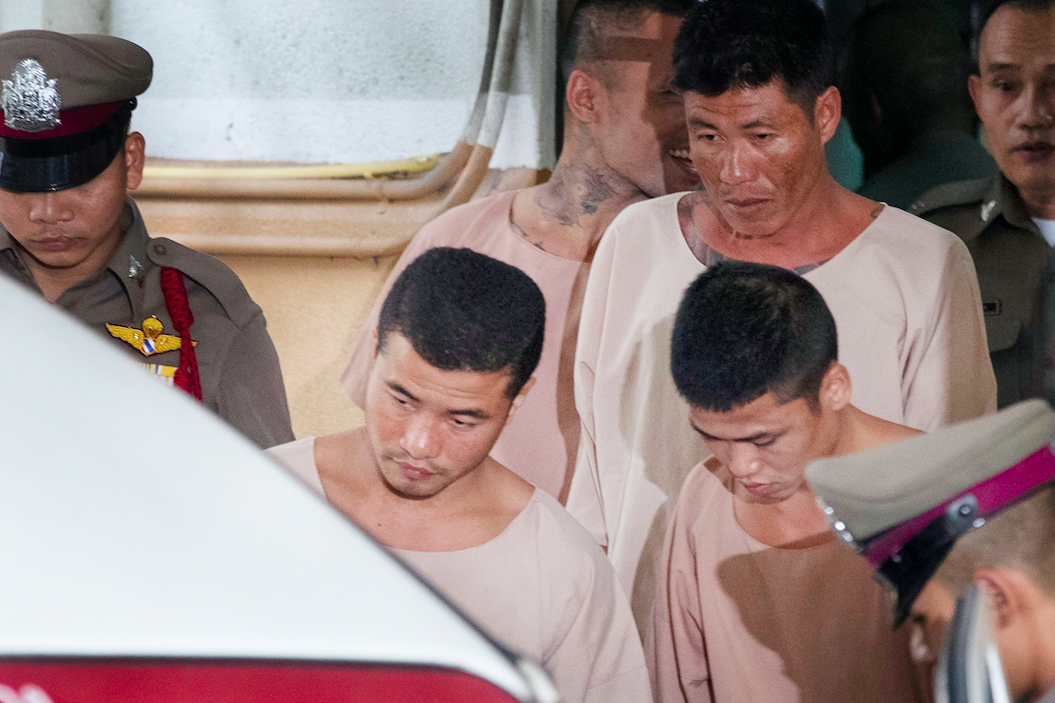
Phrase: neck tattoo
x=707 y=255
x=523 y=233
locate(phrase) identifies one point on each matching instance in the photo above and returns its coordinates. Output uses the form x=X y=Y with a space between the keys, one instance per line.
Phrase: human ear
x=827 y=111
x=584 y=94
x=135 y=157
x=519 y=400
x=836 y=389
x=1006 y=601
x=974 y=86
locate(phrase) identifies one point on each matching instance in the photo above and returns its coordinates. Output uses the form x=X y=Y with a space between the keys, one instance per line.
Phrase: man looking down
x=758 y=600
x=458 y=338
x=73 y=235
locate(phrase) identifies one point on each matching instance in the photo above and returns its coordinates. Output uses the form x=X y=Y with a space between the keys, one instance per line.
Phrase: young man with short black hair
x=459 y=336
x=757 y=600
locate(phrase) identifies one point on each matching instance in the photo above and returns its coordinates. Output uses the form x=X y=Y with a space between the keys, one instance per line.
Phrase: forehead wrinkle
x=699 y=122
x=760 y=122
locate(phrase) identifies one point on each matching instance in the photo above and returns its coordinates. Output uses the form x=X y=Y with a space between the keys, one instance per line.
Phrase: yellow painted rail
x=375 y=169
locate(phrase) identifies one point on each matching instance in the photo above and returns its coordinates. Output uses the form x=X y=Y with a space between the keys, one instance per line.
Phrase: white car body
x=147 y=549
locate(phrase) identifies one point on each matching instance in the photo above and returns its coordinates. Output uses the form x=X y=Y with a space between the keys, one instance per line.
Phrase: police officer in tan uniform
x=971 y=506
x=1003 y=218
x=71 y=233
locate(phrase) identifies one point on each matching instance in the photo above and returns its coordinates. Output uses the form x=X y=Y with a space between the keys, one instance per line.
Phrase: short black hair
x=728 y=44
x=463 y=311
x=1028 y=5
x=743 y=330
x=591 y=19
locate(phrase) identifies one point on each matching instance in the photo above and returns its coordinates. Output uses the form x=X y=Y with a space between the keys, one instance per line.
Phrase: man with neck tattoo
x=459 y=336
x=756 y=79
x=624 y=141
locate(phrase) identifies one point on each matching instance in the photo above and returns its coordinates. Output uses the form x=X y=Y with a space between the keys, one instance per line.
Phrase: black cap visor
x=48 y=165
x=909 y=570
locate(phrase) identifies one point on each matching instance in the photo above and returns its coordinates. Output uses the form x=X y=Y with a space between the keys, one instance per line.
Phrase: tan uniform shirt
x=240 y=376
x=1015 y=274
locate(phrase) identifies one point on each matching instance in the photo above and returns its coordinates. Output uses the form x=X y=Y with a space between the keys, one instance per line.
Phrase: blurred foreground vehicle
x=162 y=561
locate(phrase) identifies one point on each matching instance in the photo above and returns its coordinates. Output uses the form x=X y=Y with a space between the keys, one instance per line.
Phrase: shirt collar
x=129 y=262
x=6 y=242
x=1003 y=199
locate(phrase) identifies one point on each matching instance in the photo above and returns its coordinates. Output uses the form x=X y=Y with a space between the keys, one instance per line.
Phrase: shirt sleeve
x=251 y=396
x=585 y=502
x=675 y=646
x=949 y=377
x=598 y=657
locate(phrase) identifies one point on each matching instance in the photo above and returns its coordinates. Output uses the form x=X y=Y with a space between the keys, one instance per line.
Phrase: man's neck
x=567 y=215
x=792 y=523
x=1044 y=671
x=471 y=511
x=830 y=218
x=798 y=521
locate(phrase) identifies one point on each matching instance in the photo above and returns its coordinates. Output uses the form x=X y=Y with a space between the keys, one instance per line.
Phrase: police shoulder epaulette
x=951 y=195
x=208 y=272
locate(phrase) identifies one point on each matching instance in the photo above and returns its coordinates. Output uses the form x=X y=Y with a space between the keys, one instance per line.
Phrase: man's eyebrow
x=401 y=390
x=751 y=438
x=997 y=67
x=471 y=412
x=761 y=122
x=474 y=413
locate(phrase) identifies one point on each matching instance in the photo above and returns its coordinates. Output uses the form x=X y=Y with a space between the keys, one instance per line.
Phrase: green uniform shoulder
x=208 y=272
x=948 y=195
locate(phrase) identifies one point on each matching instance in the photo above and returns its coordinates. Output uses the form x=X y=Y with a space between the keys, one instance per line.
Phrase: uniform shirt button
x=159 y=249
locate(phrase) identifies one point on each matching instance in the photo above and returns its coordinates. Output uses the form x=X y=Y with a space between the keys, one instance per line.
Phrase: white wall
x=345 y=81
x=310 y=80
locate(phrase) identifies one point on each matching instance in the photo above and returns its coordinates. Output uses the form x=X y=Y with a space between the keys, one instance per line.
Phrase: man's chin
x=58 y=260
x=1033 y=179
